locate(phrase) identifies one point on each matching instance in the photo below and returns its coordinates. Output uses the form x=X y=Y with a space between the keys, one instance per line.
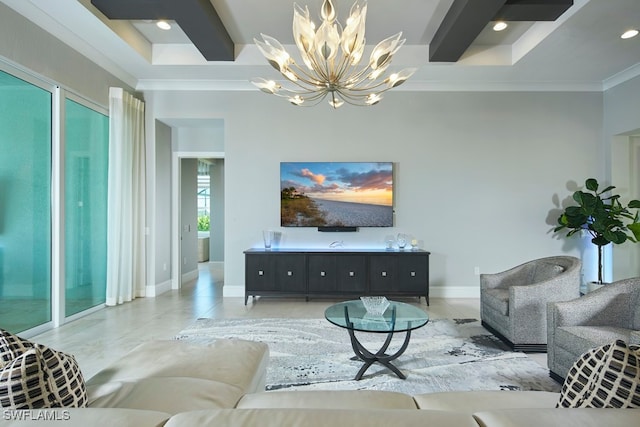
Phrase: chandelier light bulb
x=331 y=56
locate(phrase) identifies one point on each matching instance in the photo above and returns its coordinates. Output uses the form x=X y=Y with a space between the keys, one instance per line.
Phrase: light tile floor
x=105 y=335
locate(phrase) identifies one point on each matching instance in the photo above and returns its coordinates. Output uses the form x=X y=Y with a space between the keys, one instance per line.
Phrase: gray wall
x=217 y=211
x=622 y=152
x=189 y=216
x=162 y=209
x=479 y=176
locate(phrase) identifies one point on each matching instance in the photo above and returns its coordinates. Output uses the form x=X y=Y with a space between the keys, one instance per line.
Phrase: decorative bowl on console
x=375 y=305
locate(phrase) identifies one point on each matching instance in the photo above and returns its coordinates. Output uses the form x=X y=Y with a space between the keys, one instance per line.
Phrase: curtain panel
x=126 y=257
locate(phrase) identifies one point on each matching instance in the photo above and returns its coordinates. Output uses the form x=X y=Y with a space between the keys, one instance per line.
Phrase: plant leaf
x=591 y=184
x=609 y=188
x=634 y=204
x=635 y=229
x=600 y=241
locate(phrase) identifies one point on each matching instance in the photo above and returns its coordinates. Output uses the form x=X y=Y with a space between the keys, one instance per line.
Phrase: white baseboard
x=192 y=275
x=434 y=291
x=158 y=288
x=454 y=291
x=233 y=291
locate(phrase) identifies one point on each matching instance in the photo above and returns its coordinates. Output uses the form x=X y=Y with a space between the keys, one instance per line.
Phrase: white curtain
x=126 y=257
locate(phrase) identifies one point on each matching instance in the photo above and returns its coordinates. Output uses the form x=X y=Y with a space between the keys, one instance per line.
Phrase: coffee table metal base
x=380 y=356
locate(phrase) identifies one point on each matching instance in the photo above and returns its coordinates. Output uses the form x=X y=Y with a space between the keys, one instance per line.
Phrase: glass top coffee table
x=398 y=317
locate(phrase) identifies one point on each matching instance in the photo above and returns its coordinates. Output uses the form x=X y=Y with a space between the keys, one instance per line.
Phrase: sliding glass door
x=34 y=292
x=25 y=204
x=86 y=160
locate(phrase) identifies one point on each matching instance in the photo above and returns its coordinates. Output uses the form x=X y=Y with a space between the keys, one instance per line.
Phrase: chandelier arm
x=371 y=86
x=351 y=101
x=343 y=68
x=317 y=97
x=307 y=77
x=317 y=65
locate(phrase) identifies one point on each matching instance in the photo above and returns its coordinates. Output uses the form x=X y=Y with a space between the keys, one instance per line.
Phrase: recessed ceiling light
x=163 y=25
x=629 y=34
x=499 y=26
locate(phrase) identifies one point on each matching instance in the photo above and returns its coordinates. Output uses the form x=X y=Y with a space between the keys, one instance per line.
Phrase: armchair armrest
x=634 y=338
x=600 y=308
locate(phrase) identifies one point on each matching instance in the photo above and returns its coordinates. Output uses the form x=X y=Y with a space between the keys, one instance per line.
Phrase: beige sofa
x=178 y=384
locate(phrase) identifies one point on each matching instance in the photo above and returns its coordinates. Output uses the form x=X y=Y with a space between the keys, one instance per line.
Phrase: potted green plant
x=605 y=218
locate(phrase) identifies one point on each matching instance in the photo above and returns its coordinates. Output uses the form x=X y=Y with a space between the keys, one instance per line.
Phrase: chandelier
x=332 y=57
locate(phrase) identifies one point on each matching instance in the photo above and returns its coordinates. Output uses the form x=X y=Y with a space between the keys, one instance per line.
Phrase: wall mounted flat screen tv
x=336 y=194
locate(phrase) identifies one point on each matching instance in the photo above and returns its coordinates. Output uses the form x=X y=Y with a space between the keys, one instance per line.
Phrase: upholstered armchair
x=513 y=303
x=598 y=318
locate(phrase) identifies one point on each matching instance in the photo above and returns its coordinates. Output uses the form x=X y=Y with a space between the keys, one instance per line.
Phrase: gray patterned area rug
x=444 y=355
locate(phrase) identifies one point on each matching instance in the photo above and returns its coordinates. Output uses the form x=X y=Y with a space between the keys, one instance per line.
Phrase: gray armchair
x=513 y=303
x=598 y=318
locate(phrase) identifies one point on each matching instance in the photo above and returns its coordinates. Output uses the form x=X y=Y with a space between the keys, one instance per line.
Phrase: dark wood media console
x=336 y=273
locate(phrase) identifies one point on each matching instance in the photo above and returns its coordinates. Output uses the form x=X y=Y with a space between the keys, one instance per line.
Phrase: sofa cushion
x=329 y=399
x=556 y=417
x=604 y=377
x=498 y=299
x=166 y=394
x=231 y=361
x=42 y=378
x=472 y=401
x=320 y=418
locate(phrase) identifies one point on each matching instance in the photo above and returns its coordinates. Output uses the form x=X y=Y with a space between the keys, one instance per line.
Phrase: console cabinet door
x=290 y=273
x=322 y=274
x=259 y=272
x=351 y=274
x=413 y=274
x=383 y=274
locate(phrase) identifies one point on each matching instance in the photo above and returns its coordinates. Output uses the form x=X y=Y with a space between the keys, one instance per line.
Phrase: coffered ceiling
x=548 y=45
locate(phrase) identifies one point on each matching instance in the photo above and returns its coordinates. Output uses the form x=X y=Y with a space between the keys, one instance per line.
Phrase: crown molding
x=621 y=77
x=409 y=86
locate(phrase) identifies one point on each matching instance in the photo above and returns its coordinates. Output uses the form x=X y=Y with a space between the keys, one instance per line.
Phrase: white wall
x=480 y=176
x=28 y=46
x=201 y=138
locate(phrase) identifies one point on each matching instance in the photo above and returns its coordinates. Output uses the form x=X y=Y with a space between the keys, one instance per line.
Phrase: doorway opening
x=198 y=201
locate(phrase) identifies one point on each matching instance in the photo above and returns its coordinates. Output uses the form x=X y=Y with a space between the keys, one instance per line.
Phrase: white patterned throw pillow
x=38 y=377
x=604 y=377
x=11 y=346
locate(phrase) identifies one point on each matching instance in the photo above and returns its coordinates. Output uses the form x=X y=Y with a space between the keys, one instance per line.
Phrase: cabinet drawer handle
x=322 y=274
x=289 y=273
x=384 y=274
x=352 y=274
x=413 y=274
x=260 y=273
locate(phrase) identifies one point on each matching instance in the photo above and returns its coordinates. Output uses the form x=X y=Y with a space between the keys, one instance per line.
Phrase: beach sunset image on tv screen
x=336 y=194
